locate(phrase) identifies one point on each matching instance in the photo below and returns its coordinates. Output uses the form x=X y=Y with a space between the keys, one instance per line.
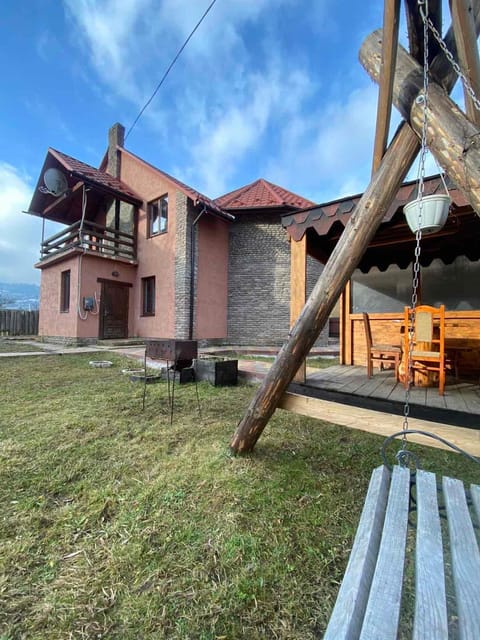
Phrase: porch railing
x=92 y=237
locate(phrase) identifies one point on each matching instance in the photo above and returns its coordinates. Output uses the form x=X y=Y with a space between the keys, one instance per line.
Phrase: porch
x=345 y=395
x=461 y=396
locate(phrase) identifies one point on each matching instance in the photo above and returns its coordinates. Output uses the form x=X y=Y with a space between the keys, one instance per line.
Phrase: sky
x=265 y=88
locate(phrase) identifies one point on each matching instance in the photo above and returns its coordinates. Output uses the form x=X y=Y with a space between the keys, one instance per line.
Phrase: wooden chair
x=428 y=354
x=383 y=353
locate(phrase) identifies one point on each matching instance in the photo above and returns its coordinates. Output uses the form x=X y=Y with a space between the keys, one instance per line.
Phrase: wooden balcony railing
x=93 y=237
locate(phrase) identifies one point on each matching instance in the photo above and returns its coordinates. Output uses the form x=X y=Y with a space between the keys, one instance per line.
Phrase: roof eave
x=121 y=195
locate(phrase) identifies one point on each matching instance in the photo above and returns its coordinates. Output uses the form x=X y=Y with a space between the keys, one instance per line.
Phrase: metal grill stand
x=179 y=355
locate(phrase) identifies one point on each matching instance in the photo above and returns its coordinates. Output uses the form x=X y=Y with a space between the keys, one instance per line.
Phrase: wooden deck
x=460 y=396
x=344 y=395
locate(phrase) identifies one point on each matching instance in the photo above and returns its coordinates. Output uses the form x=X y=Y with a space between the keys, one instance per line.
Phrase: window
x=148 y=296
x=158 y=216
x=65 y=291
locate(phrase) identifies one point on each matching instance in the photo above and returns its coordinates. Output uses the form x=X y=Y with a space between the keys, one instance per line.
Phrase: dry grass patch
x=117 y=525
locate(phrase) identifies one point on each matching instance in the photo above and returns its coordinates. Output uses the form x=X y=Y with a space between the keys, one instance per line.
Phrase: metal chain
x=450 y=58
x=421 y=99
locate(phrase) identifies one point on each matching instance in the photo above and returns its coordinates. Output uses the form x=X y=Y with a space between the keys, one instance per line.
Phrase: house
x=144 y=255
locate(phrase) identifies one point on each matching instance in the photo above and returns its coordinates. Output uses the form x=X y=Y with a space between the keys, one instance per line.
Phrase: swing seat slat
x=465 y=559
x=431 y=620
x=370 y=604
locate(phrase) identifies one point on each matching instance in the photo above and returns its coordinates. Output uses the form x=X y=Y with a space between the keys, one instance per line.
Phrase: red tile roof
x=82 y=170
x=261 y=193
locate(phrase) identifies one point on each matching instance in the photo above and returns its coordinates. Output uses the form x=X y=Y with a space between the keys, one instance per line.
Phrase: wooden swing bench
x=446 y=583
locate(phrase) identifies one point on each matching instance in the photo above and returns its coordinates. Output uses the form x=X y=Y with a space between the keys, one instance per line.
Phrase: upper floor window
x=65 y=291
x=158 y=216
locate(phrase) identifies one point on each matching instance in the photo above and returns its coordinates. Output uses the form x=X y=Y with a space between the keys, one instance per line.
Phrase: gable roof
x=76 y=173
x=88 y=173
x=260 y=194
x=191 y=193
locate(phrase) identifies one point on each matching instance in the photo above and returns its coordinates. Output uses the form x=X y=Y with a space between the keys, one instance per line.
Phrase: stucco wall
x=78 y=323
x=51 y=321
x=212 y=282
x=259 y=281
x=156 y=255
x=93 y=268
x=168 y=258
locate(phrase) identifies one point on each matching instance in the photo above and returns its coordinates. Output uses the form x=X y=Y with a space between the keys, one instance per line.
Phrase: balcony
x=93 y=238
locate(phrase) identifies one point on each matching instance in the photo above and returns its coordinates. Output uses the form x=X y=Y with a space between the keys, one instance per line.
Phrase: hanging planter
x=434 y=213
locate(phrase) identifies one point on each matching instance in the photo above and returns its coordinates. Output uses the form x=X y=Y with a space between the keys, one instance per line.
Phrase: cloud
x=111 y=34
x=242 y=99
x=20 y=234
x=245 y=125
x=131 y=44
x=227 y=89
x=327 y=151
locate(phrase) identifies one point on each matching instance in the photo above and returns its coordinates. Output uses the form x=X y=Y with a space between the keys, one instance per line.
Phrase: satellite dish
x=55 y=182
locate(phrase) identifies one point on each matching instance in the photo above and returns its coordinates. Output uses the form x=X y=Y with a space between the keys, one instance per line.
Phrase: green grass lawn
x=115 y=524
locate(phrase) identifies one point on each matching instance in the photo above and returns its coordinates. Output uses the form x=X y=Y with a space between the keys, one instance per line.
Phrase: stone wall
x=259 y=281
x=183 y=220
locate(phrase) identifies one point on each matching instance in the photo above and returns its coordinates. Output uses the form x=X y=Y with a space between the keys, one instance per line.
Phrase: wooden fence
x=14 y=322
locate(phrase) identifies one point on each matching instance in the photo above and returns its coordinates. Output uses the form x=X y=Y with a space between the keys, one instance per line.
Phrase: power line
x=170 y=67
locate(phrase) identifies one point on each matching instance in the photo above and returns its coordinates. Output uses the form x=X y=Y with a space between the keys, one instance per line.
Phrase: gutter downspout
x=192 y=271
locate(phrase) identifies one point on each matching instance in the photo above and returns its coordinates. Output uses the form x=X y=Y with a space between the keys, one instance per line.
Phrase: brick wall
x=259 y=281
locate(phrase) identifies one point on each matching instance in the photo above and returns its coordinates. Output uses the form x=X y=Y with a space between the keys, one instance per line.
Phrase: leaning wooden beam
x=464 y=27
x=338 y=270
x=360 y=229
x=451 y=137
x=391 y=19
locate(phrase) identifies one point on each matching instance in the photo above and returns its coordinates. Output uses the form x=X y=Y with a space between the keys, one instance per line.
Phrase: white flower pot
x=434 y=213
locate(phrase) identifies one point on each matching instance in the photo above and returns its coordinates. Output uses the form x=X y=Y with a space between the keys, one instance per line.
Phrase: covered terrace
x=382 y=284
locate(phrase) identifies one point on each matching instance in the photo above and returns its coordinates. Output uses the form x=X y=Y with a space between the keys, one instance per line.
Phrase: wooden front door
x=114 y=310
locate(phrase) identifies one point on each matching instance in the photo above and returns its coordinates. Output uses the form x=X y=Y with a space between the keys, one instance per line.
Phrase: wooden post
x=298 y=290
x=466 y=39
x=391 y=19
x=361 y=227
x=347 y=328
x=451 y=137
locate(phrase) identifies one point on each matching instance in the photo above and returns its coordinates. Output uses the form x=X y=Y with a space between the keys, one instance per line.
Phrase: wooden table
x=455 y=351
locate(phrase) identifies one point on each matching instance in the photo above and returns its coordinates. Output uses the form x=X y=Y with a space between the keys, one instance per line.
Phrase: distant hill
x=19 y=295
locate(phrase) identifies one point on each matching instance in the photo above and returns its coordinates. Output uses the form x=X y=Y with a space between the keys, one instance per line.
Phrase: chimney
x=116 y=138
